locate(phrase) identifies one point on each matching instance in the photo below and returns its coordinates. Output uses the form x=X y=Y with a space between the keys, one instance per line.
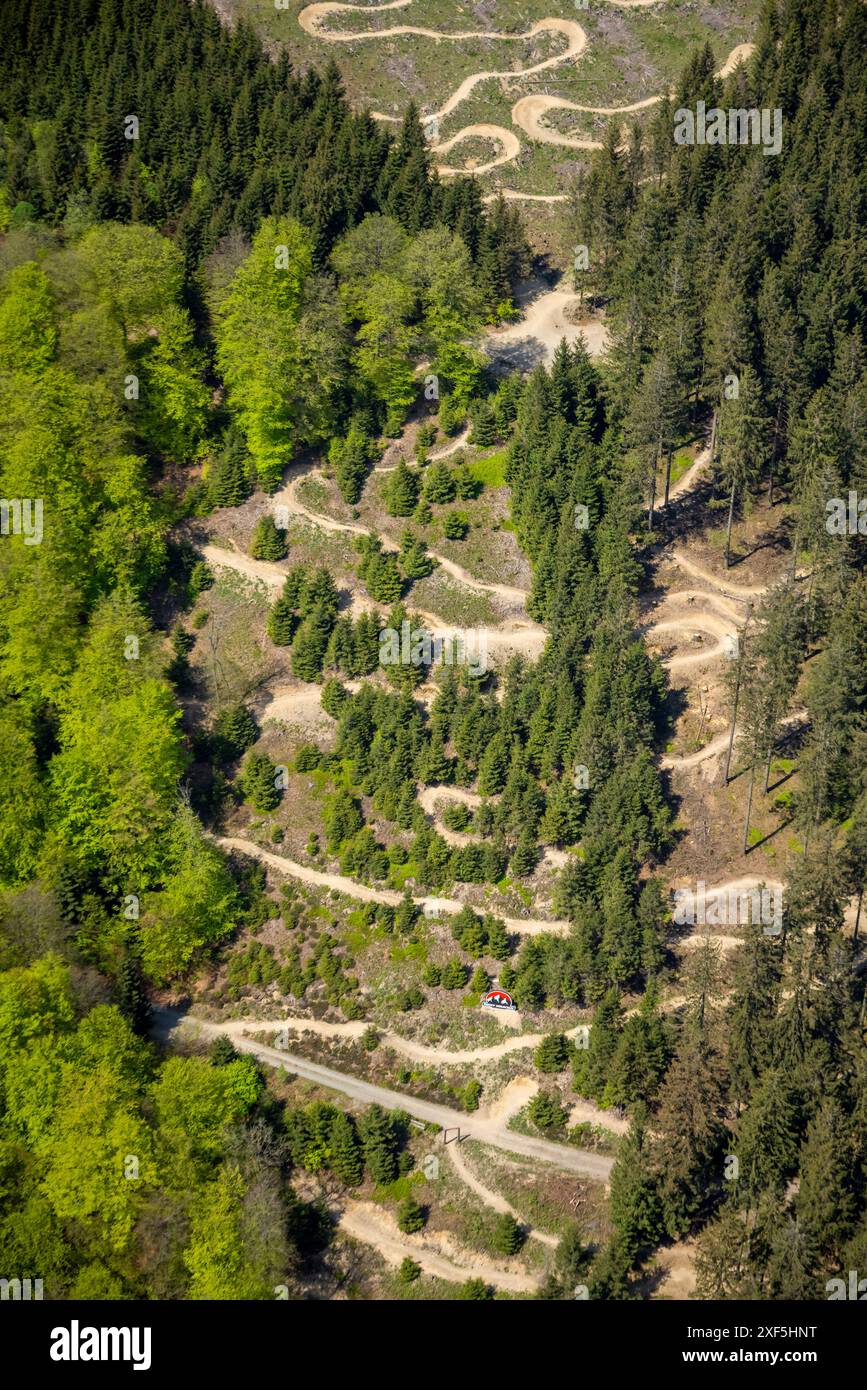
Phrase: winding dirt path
x=454 y=447
x=529 y=112
x=288 y=498
x=493 y=1199
x=507 y=139
x=430 y=795
x=509 y=636
x=312 y=17
x=318 y=878
x=488 y=1126
x=745 y=592
x=367 y=1222
x=407 y=1047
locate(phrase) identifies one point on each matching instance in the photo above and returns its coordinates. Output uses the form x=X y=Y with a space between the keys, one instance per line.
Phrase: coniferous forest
x=224 y=296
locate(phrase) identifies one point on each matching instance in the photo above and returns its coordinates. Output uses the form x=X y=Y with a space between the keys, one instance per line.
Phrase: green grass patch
x=401 y=872
x=490 y=471
x=400 y=1189
x=413 y=950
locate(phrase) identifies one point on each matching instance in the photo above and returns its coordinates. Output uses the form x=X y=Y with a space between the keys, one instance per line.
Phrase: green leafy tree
x=277 y=371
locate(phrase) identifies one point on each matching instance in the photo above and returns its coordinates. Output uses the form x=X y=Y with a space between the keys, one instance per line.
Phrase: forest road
x=595 y=1166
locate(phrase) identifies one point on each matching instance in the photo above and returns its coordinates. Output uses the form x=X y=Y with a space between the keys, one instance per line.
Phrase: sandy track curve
x=493 y=1199
x=511 y=635
x=529 y=113
x=288 y=498
x=689 y=480
x=372 y=1225
x=545 y=319
x=511 y=148
x=702 y=622
x=713 y=749
x=317 y=878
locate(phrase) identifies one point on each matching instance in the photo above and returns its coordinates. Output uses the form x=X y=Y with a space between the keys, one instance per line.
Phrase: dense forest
x=224 y=138
x=251 y=269
x=723 y=265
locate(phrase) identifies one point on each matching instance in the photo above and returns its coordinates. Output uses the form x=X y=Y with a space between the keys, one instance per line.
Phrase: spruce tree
x=229 y=480
x=484 y=432
x=347 y=1158
x=282 y=622
x=132 y=994
x=380 y=1144
x=236 y=727
x=311 y=644
x=507 y=1237
x=439 y=484
x=410 y=1216
x=401 y=491
x=268 y=542
x=258 y=782
x=553 y=1053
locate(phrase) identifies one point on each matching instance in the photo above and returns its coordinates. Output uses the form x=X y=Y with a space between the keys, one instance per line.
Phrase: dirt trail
x=298 y=705
x=445 y=450
x=529 y=113
x=407 y=1047
x=287 y=497
x=513 y=195
x=371 y=1224
x=493 y=1199
x=713 y=749
x=545 y=319
x=510 y=635
x=317 y=878
x=480 y=1125
x=689 y=480
x=428 y=798
x=699 y=622
x=511 y=148
x=442 y=453
x=745 y=592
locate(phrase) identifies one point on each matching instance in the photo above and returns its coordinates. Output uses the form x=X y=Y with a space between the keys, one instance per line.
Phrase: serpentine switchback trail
x=528 y=114
x=489 y=1128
